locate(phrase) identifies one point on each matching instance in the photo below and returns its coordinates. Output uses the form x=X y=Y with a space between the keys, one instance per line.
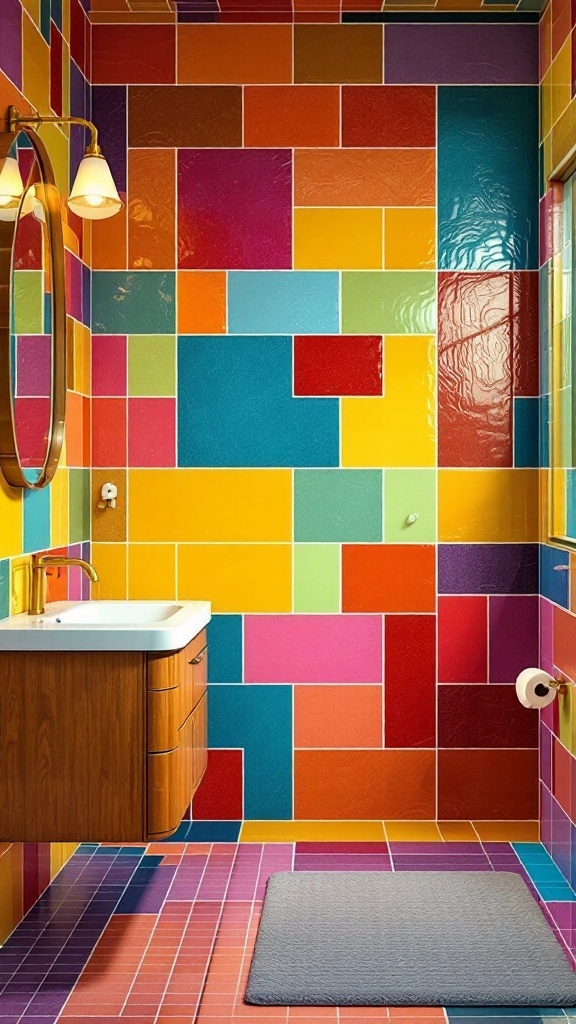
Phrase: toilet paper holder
x=560 y=685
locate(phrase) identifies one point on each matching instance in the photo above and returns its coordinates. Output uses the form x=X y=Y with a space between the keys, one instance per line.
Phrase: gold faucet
x=39 y=565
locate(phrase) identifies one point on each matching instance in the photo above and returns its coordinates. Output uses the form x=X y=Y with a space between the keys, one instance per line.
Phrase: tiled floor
x=165 y=933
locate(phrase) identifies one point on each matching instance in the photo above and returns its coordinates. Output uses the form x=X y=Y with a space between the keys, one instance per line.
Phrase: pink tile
x=152 y=432
x=108 y=365
x=313 y=649
x=546 y=636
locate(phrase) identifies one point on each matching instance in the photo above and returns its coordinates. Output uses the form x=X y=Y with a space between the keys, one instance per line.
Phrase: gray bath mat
x=418 y=938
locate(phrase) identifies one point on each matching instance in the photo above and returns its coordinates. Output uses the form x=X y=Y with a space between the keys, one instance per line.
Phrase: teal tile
x=316 y=577
x=410 y=492
x=487 y=178
x=283 y=302
x=4 y=588
x=526 y=431
x=79 y=505
x=257 y=719
x=224 y=634
x=133 y=302
x=27 y=302
x=389 y=302
x=37 y=520
x=338 y=504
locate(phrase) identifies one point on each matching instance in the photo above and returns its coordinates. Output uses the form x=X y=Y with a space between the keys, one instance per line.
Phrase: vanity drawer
x=167 y=670
x=174 y=776
x=164 y=718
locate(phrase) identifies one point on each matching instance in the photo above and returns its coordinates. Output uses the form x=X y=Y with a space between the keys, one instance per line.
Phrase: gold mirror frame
x=9 y=456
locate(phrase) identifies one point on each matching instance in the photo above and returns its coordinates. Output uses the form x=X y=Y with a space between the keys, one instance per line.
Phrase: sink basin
x=106 y=626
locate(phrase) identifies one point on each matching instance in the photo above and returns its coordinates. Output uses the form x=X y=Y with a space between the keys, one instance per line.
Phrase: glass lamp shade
x=11 y=189
x=94 y=195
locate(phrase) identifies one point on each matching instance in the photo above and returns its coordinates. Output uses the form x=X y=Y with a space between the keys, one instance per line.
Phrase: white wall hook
x=108 y=495
x=411 y=519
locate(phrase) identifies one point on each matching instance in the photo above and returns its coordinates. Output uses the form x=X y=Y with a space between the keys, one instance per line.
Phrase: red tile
x=109 y=432
x=483 y=717
x=146 y=54
x=335 y=364
x=463 y=639
x=152 y=432
x=291 y=115
x=488 y=785
x=388 y=578
x=474 y=369
x=410 y=667
x=55 y=70
x=220 y=794
x=32 y=419
x=78 y=34
x=388 y=115
x=565 y=642
x=562 y=775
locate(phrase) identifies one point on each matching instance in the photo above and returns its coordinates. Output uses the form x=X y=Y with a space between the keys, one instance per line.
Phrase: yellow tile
x=11 y=884
x=546 y=120
x=33 y=9
x=561 y=80
x=457 y=832
x=548 y=166
x=11 y=537
x=210 y=505
x=108 y=524
x=412 y=832
x=65 y=78
x=337 y=239
x=566 y=717
x=311 y=831
x=508 y=831
x=35 y=66
x=488 y=505
x=19 y=584
x=152 y=572
x=397 y=430
x=57 y=145
x=409 y=238
x=59 y=508
x=237 y=577
x=564 y=134
x=66 y=22
x=109 y=560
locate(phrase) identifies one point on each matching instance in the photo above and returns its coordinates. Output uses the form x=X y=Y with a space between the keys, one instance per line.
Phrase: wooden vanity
x=101 y=747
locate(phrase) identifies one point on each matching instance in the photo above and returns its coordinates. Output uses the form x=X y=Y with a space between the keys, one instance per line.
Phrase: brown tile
x=488 y=785
x=185 y=115
x=508 y=831
x=109 y=524
x=235 y=54
x=338 y=53
x=484 y=716
x=152 y=208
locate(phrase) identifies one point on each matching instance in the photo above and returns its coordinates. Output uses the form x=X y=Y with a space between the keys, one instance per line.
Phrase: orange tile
x=561 y=23
x=74 y=430
x=565 y=641
x=364 y=784
x=234 y=54
x=388 y=578
x=201 y=301
x=338 y=716
x=109 y=244
x=365 y=177
x=458 y=832
x=151 y=208
x=286 y=115
x=508 y=831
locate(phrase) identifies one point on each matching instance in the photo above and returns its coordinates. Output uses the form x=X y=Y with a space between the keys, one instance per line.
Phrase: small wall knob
x=411 y=519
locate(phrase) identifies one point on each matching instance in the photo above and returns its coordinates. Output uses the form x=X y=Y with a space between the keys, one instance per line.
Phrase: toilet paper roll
x=532 y=688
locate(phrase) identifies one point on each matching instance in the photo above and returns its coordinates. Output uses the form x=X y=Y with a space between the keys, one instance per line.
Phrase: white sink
x=106 y=626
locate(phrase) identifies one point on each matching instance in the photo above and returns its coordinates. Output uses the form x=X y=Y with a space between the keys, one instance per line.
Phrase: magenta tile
x=235 y=209
x=437 y=849
x=342 y=848
x=33 y=365
x=450 y=54
x=108 y=365
x=513 y=636
x=546 y=635
x=74 y=286
x=11 y=41
x=32 y=419
x=546 y=755
x=151 y=432
x=561 y=829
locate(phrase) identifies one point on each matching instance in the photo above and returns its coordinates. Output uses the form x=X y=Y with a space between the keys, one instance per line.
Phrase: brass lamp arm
x=15 y=118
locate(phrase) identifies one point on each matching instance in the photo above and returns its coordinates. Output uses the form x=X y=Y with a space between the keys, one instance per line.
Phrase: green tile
x=133 y=302
x=79 y=505
x=410 y=492
x=389 y=302
x=152 y=364
x=4 y=588
x=28 y=302
x=316 y=578
x=338 y=504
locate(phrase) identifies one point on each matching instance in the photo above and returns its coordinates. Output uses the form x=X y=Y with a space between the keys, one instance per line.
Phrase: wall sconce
x=94 y=195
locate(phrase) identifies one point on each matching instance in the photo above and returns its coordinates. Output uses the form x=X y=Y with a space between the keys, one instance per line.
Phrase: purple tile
x=462 y=54
x=513 y=636
x=488 y=568
x=109 y=116
x=34 y=365
x=74 y=286
x=561 y=828
x=86 y=295
x=546 y=635
x=437 y=849
x=11 y=41
x=234 y=209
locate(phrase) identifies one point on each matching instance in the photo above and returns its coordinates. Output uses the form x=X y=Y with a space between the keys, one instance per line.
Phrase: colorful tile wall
x=558 y=597
x=44 y=63
x=315 y=341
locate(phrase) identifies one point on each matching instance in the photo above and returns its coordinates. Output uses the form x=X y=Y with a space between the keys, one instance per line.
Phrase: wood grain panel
x=72 y=746
x=166 y=670
x=164 y=719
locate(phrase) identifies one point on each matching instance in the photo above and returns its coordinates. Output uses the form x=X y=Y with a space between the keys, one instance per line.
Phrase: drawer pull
x=199 y=657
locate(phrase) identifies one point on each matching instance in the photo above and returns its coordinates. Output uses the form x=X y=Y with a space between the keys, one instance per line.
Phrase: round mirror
x=32 y=314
